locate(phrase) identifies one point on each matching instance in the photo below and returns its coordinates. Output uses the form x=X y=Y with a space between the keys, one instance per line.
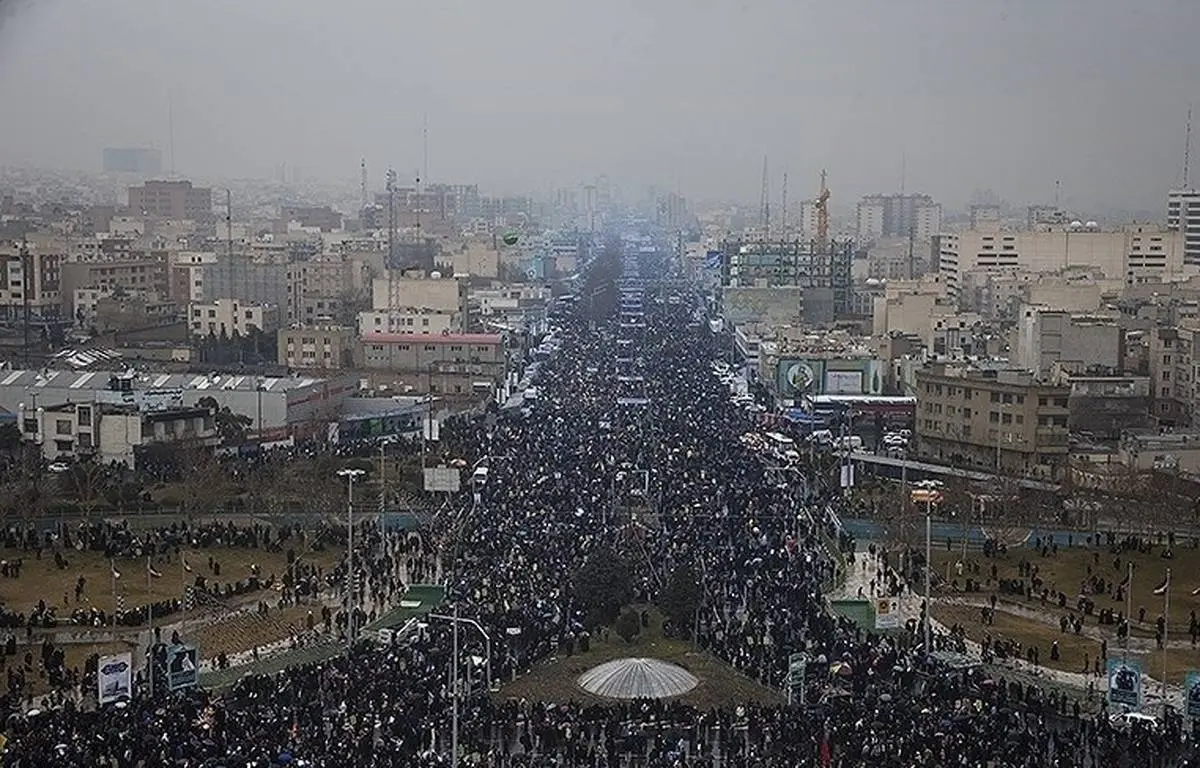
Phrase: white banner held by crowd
x=887 y=613
x=114 y=678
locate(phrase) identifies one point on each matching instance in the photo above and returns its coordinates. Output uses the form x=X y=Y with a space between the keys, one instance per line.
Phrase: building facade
x=31 y=277
x=111 y=432
x=172 y=200
x=225 y=317
x=1004 y=421
x=455 y=365
x=318 y=348
x=1183 y=216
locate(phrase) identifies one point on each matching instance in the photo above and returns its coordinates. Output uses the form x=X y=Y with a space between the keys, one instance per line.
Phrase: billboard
x=887 y=613
x=801 y=377
x=1125 y=683
x=1191 y=696
x=114 y=678
x=183 y=667
x=442 y=480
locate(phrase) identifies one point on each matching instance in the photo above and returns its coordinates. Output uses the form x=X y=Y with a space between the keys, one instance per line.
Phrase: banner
x=1125 y=683
x=887 y=613
x=1191 y=700
x=114 y=678
x=183 y=667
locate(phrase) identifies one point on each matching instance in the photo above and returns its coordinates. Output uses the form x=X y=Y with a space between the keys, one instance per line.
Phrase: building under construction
x=819 y=270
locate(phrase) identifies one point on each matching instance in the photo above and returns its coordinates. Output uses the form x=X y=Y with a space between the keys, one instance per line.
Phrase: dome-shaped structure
x=637 y=679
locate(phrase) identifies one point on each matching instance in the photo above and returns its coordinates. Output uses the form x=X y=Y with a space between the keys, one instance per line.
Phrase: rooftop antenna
x=783 y=209
x=764 y=202
x=903 y=169
x=229 y=239
x=171 y=133
x=1058 y=193
x=363 y=191
x=1187 y=148
x=425 y=146
x=391 y=265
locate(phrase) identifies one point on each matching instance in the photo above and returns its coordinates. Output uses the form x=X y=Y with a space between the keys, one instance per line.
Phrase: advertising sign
x=1191 y=689
x=1125 y=683
x=887 y=613
x=114 y=678
x=797 y=378
x=442 y=480
x=183 y=667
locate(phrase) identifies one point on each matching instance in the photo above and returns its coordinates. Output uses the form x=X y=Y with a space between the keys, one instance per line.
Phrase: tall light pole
x=350 y=475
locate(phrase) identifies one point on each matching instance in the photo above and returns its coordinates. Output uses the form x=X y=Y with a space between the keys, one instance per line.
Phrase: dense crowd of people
x=561 y=489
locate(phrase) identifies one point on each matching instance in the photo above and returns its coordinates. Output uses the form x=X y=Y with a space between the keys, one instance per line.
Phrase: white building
x=409 y=321
x=914 y=216
x=227 y=316
x=112 y=432
x=1134 y=255
x=1183 y=215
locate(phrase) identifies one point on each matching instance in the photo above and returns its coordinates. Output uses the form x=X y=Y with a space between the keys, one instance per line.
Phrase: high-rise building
x=898 y=215
x=172 y=200
x=1183 y=215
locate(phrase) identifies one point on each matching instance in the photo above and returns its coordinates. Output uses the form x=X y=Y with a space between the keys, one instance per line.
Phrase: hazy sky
x=524 y=94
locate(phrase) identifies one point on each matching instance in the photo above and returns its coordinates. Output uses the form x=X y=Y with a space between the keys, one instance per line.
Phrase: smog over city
x=520 y=96
x=639 y=384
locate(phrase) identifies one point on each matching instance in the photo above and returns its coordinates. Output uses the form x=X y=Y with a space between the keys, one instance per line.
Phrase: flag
x=115 y=573
x=183 y=559
x=151 y=570
x=1125 y=582
x=1161 y=589
x=1196 y=591
x=826 y=752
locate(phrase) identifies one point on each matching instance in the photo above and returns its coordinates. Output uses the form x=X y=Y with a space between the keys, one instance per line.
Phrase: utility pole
x=229 y=241
x=26 y=286
x=350 y=475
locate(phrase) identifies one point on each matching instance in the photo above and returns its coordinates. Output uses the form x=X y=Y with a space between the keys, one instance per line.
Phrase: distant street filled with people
x=628 y=446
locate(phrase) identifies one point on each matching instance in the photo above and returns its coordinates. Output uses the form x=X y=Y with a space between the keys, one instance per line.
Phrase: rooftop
x=92 y=380
x=637 y=679
x=434 y=338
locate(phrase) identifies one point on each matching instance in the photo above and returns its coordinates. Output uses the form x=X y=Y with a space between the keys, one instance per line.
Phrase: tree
x=10 y=437
x=628 y=626
x=604 y=585
x=232 y=427
x=681 y=598
x=87 y=481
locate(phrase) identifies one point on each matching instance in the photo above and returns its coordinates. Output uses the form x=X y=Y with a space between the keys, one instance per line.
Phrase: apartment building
x=30 y=276
x=1175 y=374
x=456 y=365
x=411 y=321
x=326 y=290
x=112 y=432
x=913 y=216
x=992 y=419
x=1077 y=343
x=172 y=200
x=1183 y=216
x=230 y=316
x=436 y=294
x=321 y=348
x=1134 y=255
x=134 y=275
x=323 y=218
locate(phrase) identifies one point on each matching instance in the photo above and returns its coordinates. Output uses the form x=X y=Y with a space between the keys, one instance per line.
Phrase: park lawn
x=720 y=684
x=1072 y=648
x=246 y=631
x=41 y=580
x=1067 y=570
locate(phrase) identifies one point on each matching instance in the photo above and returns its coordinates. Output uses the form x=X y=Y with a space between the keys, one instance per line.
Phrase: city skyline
x=537 y=95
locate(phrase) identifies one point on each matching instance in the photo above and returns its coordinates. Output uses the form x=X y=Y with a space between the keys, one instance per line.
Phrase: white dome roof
x=637 y=679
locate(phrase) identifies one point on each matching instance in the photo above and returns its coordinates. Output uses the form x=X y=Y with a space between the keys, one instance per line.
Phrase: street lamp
x=930 y=497
x=350 y=475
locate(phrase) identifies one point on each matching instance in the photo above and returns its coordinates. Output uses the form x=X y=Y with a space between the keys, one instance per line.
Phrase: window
x=1008 y=398
x=1006 y=418
x=994 y=417
x=84 y=414
x=1043 y=402
x=966 y=413
x=85 y=439
x=1020 y=399
x=1060 y=402
x=62 y=426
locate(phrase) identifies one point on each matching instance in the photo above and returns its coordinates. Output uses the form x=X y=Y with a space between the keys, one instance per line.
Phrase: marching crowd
x=558 y=493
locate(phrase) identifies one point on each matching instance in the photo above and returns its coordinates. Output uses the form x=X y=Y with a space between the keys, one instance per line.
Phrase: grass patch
x=1067 y=571
x=246 y=631
x=720 y=684
x=42 y=580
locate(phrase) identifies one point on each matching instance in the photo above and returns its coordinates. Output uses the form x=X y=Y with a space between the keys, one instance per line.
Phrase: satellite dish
x=511 y=238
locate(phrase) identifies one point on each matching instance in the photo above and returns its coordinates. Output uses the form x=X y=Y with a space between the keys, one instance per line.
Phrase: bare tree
x=87 y=480
x=205 y=483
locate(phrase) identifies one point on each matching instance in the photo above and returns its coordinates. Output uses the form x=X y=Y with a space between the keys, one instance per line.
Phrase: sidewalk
x=910 y=608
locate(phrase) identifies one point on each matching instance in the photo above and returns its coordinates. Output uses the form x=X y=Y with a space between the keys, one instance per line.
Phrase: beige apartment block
x=130 y=274
x=1077 y=343
x=317 y=348
x=1175 y=374
x=994 y=420
x=227 y=316
x=410 y=321
x=172 y=200
x=440 y=294
x=1133 y=255
x=29 y=276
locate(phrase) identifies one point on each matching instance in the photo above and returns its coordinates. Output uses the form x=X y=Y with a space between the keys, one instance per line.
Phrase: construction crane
x=822 y=206
x=764 y=205
x=783 y=209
